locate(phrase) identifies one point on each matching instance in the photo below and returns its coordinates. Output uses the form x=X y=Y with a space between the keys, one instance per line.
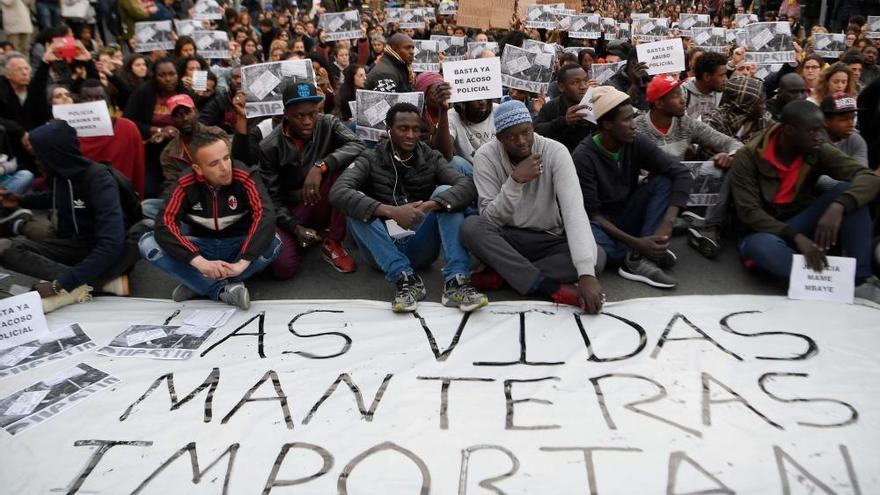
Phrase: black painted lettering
x=342 y=482
x=260 y=334
x=366 y=414
x=675 y=459
x=708 y=401
x=345 y=347
x=326 y=465
x=510 y=402
x=210 y=383
x=591 y=356
x=783 y=459
x=853 y=413
x=703 y=336
x=444 y=393
x=279 y=396
x=95 y=458
x=812 y=348
x=587 y=452
x=488 y=483
x=198 y=474
x=523 y=358
x=439 y=355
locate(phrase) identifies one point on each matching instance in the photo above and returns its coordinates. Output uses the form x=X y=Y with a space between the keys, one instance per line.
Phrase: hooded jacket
x=390 y=75
x=87 y=204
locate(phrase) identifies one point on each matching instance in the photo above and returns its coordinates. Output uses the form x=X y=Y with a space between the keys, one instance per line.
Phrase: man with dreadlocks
x=393 y=74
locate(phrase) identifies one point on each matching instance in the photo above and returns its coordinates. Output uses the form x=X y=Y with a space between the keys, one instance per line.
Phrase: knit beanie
x=427 y=79
x=511 y=113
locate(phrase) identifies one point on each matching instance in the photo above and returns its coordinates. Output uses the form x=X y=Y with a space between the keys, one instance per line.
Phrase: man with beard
x=562 y=118
x=471 y=125
x=870 y=71
x=393 y=74
x=220 y=109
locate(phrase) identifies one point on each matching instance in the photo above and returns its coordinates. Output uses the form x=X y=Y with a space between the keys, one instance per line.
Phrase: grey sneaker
x=869 y=290
x=459 y=293
x=410 y=290
x=236 y=295
x=640 y=269
x=183 y=293
x=667 y=261
x=706 y=240
x=685 y=221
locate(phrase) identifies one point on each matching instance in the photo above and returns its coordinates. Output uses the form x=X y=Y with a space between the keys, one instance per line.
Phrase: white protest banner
x=186 y=27
x=21 y=320
x=713 y=39
x=200 y=80
x=426 y=56
x=150 y=36
x=340 y=25
x=768 y=43
x=205 y=10
x=475 y=49
x=526 y=70
x=873 y=31
x=478 y=79
x=707 y=183
x=411 y=18
x=540 y=17
x=452 y=47
x=585 y=26
x=75 y=9
x=726 y=394
x=212 y=44
x=373 y=106
x=662 y=57
x=650 y=29
x=829 y=45
x=89 y=119
x=52 y=346
x=263 y=84
x=834 y=283
x=687 y=23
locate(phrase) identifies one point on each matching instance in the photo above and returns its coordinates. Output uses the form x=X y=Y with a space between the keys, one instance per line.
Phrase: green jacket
x=131 y=11
x=754 y=183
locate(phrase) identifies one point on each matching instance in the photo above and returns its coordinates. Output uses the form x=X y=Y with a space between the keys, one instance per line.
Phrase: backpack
x=129 y=199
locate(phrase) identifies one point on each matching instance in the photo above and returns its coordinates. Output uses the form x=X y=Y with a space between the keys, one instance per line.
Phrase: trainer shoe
x=183 y=293
x=460 y=293
x=706 y=240
x=666 y=261
x=236 y=295
x=410 y=290
x=81 y=294
x=869 y=290
x=10 y=225
x=640 y=269
x=118 y=286
x=685 y=221
x=335 y=254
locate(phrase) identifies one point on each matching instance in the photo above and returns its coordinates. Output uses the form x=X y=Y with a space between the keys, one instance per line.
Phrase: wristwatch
x=322 y=166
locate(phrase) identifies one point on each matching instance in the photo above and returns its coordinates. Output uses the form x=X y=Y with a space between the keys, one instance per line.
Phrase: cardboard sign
x=21 y=319
x=835 y=283
x=662 y=57
x=477 y=79
x=89 y=119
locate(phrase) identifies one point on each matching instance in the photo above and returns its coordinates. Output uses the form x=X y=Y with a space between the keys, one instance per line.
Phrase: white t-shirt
x=467 y=139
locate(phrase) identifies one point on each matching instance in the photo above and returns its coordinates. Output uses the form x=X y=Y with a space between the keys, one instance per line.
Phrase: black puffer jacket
x=373 y=180
x=389 y=76
x=284 y=169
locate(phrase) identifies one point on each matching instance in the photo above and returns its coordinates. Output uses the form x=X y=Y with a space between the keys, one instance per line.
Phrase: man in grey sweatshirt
x=532 y=230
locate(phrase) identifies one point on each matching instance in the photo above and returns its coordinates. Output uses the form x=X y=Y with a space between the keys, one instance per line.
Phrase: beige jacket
x=17 y=16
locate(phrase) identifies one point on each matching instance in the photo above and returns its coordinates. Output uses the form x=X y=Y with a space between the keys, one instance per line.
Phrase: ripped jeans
x=226 y=249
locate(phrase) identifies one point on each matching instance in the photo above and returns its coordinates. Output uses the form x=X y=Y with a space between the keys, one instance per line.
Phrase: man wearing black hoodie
x=393 y=74
x=89 y=247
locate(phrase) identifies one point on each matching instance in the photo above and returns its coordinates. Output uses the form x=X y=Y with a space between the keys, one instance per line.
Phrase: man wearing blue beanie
x=532 y=230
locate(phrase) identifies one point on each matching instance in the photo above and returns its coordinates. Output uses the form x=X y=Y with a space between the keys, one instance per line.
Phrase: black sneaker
x=410 y=290
x=706 y=240
x=460 y=293
x=640 y=269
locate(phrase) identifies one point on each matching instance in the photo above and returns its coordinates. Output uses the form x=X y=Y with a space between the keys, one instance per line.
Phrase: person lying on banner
x=217 y=228
x=773 y=182
x=532 y=231
x=405 y=204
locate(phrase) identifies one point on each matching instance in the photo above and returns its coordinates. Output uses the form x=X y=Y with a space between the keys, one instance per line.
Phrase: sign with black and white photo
x=392 y=15
x=526 y=70
x=829 y=45
x=21 y=319
x=475 y=48
x=411 y=18
x=372 y=109
x=769 y=43
x=743 y=20
x=453 y=48
x=46 y=399
x=764 y=70
x=713 y=39
x=662 y=57
x=264 y=83
x=212 y=44
x=430 y=13
x=175 y=342
x=635 y=16
x=426 y=56
x=536 y=46
x=90 y=119
x=75 y=9
x=447 y=8
x=478 y=79
x=624 y=31
x=609 y=28
x=52 y=346
x=150 y=36
x=650 y=29
x=341 y=25
x=873 y=31
x=585 y=26
x=688 y=22
x=601 y=73
x=186 y=27
x=207 y=10
x=707 y=183
x=540 y=17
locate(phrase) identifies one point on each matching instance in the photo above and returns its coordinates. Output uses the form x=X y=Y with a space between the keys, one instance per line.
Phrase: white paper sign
x=396 y=231
x=477 y=79
x=200 y=80
x=89 y=119
x=21 y=319
x=377 y=113
x=12 y=357
x=208 y=318
x=26 y=402
x=834 y=283
x=662 y=57
x=145 y=336
x=587 y=102
x=150 y=36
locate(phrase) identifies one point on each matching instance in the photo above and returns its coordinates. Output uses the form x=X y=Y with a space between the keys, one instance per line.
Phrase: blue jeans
x=48 y=14
x=642 y=215
x=465 y=168
x=226 y=249
x=18 y=182
x=772 y=253
x=152 y=207
x=418 y=250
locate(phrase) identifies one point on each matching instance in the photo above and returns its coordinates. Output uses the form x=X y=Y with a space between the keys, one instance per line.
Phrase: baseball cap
x=605 y=99
x=300 y=93
x=660 y=86
x=839 y=102
x=181 y=100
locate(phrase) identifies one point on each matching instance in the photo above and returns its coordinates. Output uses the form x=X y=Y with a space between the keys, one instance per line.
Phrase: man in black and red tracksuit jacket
x=217 y=228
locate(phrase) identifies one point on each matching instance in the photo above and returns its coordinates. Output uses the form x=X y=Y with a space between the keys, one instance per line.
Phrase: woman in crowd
x=835 y=79
x=811 y=71
x=133 y=74
x=355 y=78
x=184 y=47
x=250 y=47
x=186 y=67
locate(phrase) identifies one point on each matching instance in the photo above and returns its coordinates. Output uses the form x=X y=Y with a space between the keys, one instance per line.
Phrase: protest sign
x=373 y=106
x=636 y=16
x=688 y=22
x=526 y=70
x=21 y=320
x=187 y=27
x=536 y=46
x=478 y=79
x=264 y=83
x=587 y=102
x=764 y=70
x=713 y=39
x=662 y=57
x=835 y=283
x=540 y=17
x=411 y=18
x=212 y=44
x=707 y=183
x=624 y=31
x=426 y=56
x=725 y=394
x=447 y=8
x=175 y=342
x=743 y=20
x=768 y=43
x=52 y=346
x=453 y=48
x=650 y=29
x=586 y=26
x=150 y=36
x=89 y=119
x=341 y=25
x=609 y=28
x=873 y=31
x=200 y=80
x=207 y=10
x=429 y=13
x=75 y=9
x=474 y=49
x=829 y=45
x=601 y=73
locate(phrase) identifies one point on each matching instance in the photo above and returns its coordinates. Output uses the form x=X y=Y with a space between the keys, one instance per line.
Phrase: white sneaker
x=81 y=294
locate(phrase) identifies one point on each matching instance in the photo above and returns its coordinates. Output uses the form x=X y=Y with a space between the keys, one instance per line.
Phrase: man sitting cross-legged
x=532 y=229
x=404 y=202
x=217 y=228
